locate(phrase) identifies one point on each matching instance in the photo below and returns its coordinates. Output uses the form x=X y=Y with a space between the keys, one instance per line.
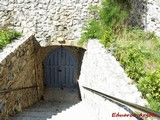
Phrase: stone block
x=20 y=1
x=60 y=39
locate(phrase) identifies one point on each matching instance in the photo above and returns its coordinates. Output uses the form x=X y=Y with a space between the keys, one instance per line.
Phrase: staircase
x=58 y=104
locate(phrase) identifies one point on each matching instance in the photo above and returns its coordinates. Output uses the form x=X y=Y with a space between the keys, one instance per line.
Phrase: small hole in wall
x=65 y=28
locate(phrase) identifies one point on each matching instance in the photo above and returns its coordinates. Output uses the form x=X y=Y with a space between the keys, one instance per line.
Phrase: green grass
x=138 y=53
x=147 y=43
x=6 y=36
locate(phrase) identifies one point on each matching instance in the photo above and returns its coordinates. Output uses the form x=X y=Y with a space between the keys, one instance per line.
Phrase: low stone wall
x=18 y=70
x=101 y=71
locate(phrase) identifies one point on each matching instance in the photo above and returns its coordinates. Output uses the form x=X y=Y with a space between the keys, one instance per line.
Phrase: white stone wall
x=146 y=15
x=101 y=71
x=50 y=20
x=62 y=20
x=153 y=16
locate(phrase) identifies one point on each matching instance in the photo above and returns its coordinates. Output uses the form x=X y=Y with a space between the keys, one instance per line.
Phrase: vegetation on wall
x=136 y=50
x=7 y=35
x=138 y=53
x=107 y=20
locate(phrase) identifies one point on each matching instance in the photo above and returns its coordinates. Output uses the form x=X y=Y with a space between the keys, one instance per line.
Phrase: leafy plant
x=154 y=104
x=132 y=61
x=6 y=36
x=150 y=85
x=106 y=39
x=106 y=19
x=138 y=53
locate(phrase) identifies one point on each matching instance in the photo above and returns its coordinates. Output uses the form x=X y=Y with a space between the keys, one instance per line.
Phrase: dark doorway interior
x=61 y=69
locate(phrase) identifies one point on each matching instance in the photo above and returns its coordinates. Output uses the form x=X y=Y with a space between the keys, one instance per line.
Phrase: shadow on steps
x=55 y=101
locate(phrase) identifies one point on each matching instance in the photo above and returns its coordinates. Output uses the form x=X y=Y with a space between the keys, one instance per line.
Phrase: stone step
x=66 y=94
x=28 y=118
x=51 y=104
x=64 y=105
x=76 y=112
x=46 y=108
x=42 y=109
x=35 y=114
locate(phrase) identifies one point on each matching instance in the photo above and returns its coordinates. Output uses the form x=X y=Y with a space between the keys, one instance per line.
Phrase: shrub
x=107 y=18
x=150 y=88
x=132 y=61
x=138 y=53
x=6 y=36
x=150 y=85
x=154 y=104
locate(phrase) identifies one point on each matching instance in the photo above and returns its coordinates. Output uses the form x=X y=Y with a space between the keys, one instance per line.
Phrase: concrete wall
x=101 y=71
x=50 y=20
x=18 y=70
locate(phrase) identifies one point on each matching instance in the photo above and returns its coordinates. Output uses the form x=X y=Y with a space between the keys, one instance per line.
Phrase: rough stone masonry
x=146 y=15
x=18 y=70
x=62 y=20
x=50 y=20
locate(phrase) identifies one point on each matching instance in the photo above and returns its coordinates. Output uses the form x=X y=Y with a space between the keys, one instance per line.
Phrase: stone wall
x=146 y=15
x=101 y=71
x=50 y=20
x=62 y=20
x=18 y=70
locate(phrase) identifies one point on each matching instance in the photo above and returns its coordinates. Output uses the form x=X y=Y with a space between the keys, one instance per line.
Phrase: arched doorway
x=60 y=69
